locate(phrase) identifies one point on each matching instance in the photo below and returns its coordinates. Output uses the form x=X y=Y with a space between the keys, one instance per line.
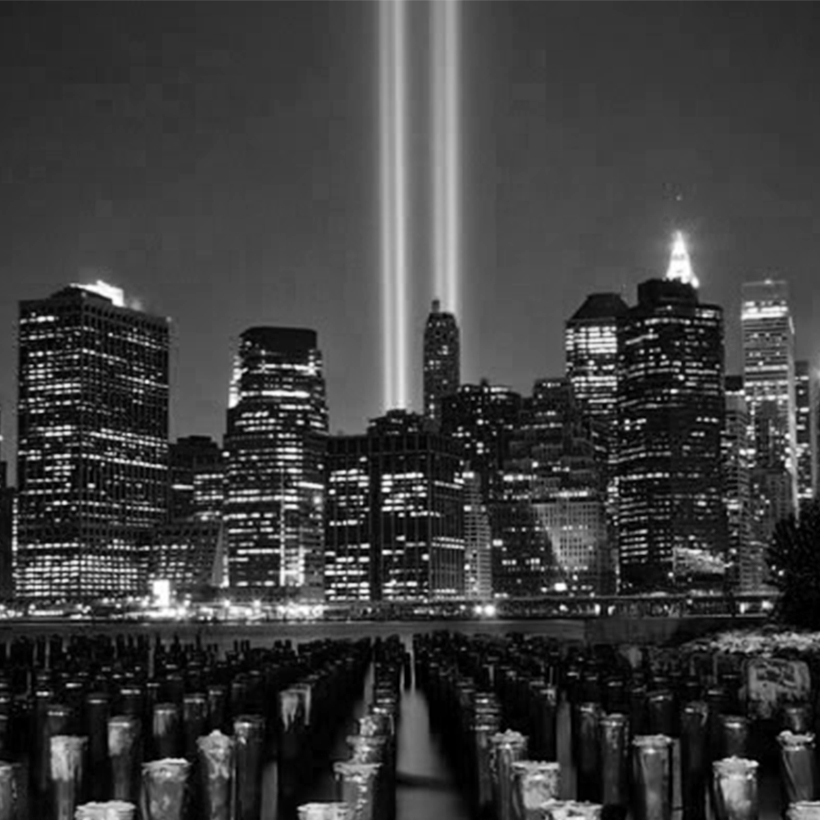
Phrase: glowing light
x=116 y=295
x=446 y=212
x=680 y=267
x=393 y=94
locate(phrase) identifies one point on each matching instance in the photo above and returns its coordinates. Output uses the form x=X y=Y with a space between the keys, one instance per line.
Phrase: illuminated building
x=442 y=360
x=197 y=479
x=549 y=528
x=478 y=570
x=671 y=521
x=395 y=513
x=184 y=552
x=275 y=450
x=92 y=459
x=805 y=391
x=6 y=532
x=737 y=463
x=768 y=376
x=591 y=347
x=482 y=418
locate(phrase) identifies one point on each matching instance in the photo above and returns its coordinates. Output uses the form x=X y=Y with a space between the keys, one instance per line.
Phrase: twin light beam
x=394 y=179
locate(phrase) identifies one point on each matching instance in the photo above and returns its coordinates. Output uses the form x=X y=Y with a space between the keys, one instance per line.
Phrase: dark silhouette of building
x=671 y=521
x=482 y=418
x=92 y=458
x=395 y=513
x=275 y=448
x=442 y=359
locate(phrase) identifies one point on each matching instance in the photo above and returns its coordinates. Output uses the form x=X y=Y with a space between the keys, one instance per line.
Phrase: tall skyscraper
x=482 y=418
x=395 y=513
x=6 y=530
x=442 y=360
x=769 y=379
x=478 y=569
x=737 y=463
x=805 y=391
x=92 y=457
x=275 y=445
x=671 y=521
x=591 y=348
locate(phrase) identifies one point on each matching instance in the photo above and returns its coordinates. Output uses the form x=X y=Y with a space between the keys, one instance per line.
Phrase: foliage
x=794 y=562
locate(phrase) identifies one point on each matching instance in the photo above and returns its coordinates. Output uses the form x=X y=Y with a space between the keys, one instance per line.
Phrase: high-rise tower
x=275 y=445
x=768 y=377
x=671 y=521
x=805 y=392
x=591 y=347
x=395 y=513
x=92 y=456
x=442 y=360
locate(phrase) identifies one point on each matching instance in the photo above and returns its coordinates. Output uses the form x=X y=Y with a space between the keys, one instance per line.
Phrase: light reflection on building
x=92 y=443
x=275 y=447
x=395 y=513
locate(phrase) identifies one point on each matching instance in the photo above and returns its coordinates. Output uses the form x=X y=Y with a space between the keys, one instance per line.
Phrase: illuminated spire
x=680 y=267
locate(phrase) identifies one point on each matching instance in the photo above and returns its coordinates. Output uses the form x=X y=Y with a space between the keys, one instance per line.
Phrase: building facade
x=275 y=455
x=442 y=360
x=482 y=418
x=196 y=479
x=92 y=459
x=769 y=380
x=478 y=568
x=671 y=520
x=737 y=465
x=395 y=513
x=805 y=395
x=591 y=349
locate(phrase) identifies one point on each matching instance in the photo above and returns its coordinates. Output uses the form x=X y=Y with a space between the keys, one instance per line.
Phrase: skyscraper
x=275 y=446
x=805 y=391
x=671 y=521
x=737 y=463
x=768 y=377
x=395 y=513
x=482 y=418
x=442 y=360
x=591 y=348
x=197 y=479
x=478 y=570
x=92 y=457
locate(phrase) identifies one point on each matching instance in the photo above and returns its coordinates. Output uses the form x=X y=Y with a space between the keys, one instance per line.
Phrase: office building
x=549 y=528
x=197 y=479
x=591 y=348
x=275 y=451
x=395 y=513
x=442 y=359
x=482 y=418
x=805 y=393
x=92 y=458
x=742 y=553
x=769 y=380
x=478 y=569
x=671 y=520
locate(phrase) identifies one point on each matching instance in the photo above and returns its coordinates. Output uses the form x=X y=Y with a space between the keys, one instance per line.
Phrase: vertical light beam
x=393 y=94
x=446 y=162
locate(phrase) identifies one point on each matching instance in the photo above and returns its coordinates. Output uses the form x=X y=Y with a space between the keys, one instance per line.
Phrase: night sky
x=219 y=162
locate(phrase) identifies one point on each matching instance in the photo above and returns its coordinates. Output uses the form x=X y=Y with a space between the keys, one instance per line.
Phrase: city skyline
x=257 y=213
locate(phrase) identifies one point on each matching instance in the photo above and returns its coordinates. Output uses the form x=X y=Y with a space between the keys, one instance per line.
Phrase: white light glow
x=116 y=295
x=393 y=95
x=446 y=164
x=680 y=267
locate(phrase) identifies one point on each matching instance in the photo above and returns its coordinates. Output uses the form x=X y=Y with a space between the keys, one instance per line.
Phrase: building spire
x=680 y=267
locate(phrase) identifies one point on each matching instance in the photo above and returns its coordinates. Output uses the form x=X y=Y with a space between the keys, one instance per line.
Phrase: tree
x=793 y=557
